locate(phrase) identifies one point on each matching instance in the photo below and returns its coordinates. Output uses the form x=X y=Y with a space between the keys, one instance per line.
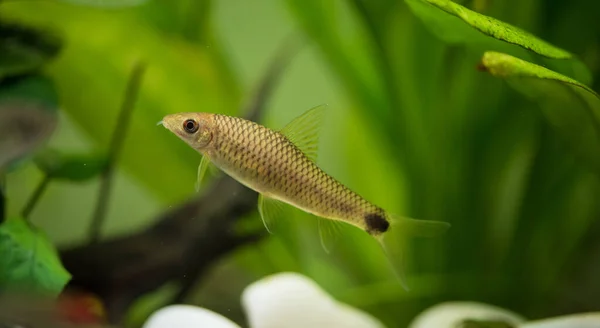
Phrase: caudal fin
x=395 y=241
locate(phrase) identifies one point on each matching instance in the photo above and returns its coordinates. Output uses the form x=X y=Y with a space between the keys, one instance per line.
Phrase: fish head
x=196 y=129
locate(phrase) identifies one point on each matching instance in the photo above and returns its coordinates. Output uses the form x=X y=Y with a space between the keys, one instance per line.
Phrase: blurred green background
x=413 y=126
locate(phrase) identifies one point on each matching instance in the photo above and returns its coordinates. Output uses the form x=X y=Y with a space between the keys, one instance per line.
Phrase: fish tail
x=418 y=228
x=395 y=240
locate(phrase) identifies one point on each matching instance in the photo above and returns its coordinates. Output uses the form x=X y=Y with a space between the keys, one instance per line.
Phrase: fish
x=281 y=166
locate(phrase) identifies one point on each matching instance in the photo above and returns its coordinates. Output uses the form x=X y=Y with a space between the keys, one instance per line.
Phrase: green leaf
x=28 y=117
x=440 y=16
x=71 y=167
x=36 y=88
x=454 y=23
x=571 y=108
x=24 y=49
x=28 y=260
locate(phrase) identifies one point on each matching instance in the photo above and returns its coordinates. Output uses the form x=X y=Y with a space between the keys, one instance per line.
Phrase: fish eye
x=190 y=126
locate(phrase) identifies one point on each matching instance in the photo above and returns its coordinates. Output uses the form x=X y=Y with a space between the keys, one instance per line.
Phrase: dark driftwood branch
x=184 y=242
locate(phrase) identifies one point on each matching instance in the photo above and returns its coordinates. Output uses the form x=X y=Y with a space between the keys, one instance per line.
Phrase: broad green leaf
x=571 y=108
x=28 y=260
x=36 y=88
x=28 y=117
x=92 y=73
x=24 y=49
x=441 y=16
x=71 y=167
x=454 y=23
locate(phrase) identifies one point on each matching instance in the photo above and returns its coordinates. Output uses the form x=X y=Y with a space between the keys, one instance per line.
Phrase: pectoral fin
x=303 y=131
x=202 y=167
x=205 y=165
x=269 y=209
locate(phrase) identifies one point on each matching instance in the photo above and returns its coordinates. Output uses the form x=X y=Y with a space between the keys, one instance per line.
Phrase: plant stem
x=35 y=197
x=116 y=144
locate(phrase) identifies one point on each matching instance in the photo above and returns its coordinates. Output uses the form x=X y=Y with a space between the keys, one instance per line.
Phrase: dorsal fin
x=304 y=130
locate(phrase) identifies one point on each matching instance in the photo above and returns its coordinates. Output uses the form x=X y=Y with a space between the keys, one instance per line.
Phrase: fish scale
x=270 y=163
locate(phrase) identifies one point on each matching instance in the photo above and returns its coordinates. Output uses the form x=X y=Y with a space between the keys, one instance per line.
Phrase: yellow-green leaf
x=572 y=108
x=454 y=23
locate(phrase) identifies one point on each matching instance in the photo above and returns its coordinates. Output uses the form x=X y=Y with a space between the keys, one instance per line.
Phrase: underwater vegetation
x=479 y=113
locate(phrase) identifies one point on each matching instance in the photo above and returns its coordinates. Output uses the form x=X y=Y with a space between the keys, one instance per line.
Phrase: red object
x=81 y=308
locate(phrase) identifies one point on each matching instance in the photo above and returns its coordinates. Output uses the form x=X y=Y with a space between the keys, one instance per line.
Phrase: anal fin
x=394 y=250
x=329 y=231
x=269 y=209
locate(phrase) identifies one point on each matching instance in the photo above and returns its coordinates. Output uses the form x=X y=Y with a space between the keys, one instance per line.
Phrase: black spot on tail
x=376 y=223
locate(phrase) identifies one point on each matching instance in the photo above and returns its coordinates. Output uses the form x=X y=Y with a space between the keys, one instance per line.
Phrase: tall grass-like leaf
x=454 y=23
x=571 y=107
x=347 y=46
x=507 y=163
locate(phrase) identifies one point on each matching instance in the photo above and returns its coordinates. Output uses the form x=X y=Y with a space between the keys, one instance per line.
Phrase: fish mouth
x=167 y=123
